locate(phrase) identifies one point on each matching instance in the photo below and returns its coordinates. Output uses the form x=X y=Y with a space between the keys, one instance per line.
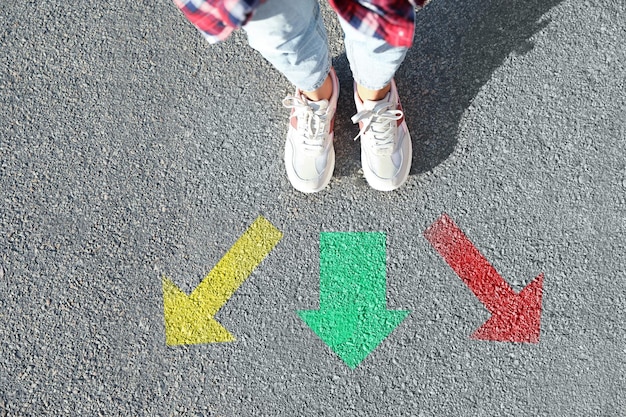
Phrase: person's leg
x=290 y=34
x=386 y=150
x=373 y=62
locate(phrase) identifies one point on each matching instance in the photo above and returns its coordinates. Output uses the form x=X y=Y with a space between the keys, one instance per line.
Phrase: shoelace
x=314 y=122
x=381 y=123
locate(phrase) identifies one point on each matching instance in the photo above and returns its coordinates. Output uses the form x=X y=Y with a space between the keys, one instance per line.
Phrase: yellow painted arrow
x=190 y=319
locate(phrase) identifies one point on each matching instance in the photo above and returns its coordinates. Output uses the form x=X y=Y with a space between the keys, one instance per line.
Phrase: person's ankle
x=372 y=95
x=325 y=92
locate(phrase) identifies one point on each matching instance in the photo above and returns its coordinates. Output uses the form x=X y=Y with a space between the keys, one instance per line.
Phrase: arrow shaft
x=353 y=270
x=236 y=265
x=469 y=264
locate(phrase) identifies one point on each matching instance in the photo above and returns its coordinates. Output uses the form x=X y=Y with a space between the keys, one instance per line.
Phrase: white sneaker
x=386 y=151
x=309 y=152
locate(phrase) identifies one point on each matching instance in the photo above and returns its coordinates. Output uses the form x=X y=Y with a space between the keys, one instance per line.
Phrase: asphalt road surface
x=131 y=150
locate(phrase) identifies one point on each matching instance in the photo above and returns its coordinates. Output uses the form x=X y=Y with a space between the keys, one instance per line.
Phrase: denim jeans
x=290 y=34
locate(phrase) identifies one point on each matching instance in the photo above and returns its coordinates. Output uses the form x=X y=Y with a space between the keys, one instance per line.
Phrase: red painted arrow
x=515 y=317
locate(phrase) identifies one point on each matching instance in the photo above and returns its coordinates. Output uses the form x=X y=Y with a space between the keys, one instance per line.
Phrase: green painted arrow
x=353 y=318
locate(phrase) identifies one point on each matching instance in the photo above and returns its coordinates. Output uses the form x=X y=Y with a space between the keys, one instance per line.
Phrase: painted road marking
x=515 y=317
x=353 y=318
x=190 y=319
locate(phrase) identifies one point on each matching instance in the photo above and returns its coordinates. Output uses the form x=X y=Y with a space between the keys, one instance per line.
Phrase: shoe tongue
x=370 y=104
x=321 y=105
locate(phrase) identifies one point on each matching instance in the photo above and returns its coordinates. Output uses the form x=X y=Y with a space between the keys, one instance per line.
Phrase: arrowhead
x=188 y=321
x=517 y=321
x=352 y=334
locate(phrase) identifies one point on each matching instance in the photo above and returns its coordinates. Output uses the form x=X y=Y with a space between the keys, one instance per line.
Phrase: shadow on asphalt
x=457 y=47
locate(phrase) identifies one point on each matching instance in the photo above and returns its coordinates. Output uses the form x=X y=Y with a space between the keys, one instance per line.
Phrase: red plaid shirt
x=391 y=20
